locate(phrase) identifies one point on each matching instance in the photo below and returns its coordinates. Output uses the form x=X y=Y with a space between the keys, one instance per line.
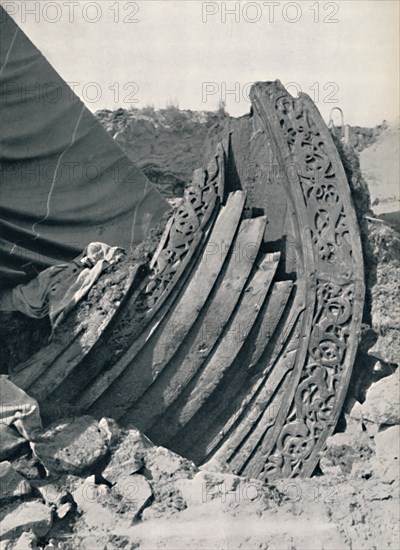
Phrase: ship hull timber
x=225 y=356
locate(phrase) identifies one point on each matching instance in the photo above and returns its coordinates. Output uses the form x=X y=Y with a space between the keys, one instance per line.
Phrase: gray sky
x=193 y=53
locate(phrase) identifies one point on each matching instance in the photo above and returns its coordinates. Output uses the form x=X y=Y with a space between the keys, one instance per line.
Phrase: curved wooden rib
x=208 y=328
x=272 y=397
x=227 y=349
x=335 y=274
x=241 y=395
x=140 y=371
x=183 y=236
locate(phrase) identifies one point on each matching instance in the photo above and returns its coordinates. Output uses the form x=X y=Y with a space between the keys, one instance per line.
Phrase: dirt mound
x=166 y=144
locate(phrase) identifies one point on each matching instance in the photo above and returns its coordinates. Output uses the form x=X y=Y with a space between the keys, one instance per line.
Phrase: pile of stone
x=82 y=483
x=369 y=447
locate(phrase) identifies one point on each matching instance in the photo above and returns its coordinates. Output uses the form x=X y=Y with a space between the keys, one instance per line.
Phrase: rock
x=64 y=509
x=26 y=541
x=207 y=486
x=226 y=488
x=381 y=404
x=52 y=494
x=385 y=463
x=10 y=441
x=28 y=467
x=127 y=459
x=387 y=347
x=111 y=431
x=387 y=443
x=28 y=516
x=347 y=453
x=95 y=504
x=12 y=484
x=164 y=463
x=165 y=468
x=89 y=492
x=135 y=493
x=215 y=465
x=73 y=447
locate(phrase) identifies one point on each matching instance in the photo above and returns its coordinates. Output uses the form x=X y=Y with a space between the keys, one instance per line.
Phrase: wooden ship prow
x=238 y=344
x=235 y=341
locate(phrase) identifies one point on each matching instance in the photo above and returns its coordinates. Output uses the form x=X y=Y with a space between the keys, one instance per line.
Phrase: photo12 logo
x=91 y=93
x=54 y=11
x=320 y=92
x=269 y=12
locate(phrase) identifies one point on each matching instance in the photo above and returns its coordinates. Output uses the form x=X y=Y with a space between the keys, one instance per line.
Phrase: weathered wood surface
x=189 y=220
x=138 y=372
x=131 y=325
x=230 y=344
x=100 y=376
x=182 y=240
x=239 y=393
x=333 y=271
x=277 y=415
x=268 y=405
x=209 y=326
x=73 y=340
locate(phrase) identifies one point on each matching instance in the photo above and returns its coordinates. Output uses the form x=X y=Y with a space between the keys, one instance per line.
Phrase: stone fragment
x=165 y=464
x=26 y=541
x=64 y=509
x=387 y=443
x=73 y=447
x=53 y=494
x=347 y=453
x=207 y=486
x=135 y=493
x=28 y=467
x=385 y=463
x=127 y=459
x=12 y=484
x=166 y=468
x=111 y=431
x=10 y=441
x=96 y=505
x=28 y=516
x=89 y=492
x=382 y=404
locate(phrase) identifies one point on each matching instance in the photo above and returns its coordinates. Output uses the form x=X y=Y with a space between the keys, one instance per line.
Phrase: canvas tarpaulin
x=64 y=182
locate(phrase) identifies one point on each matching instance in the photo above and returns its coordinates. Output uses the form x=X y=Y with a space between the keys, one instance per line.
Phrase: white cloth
x=18 y=409
x=56 y=290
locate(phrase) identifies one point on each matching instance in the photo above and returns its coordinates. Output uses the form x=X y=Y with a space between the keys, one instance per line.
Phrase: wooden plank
x=101 y=378
x=143 y=370
x=128 y=334
x=226 y=351
x=256 y=400
x=275 y=305
x=183 y=236
x=131 y=326
x=274 y=309
x=72 y=341
x=222 y=304
x=270 y=393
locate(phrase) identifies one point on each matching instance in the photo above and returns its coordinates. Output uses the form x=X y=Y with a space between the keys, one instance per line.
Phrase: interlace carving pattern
x=314 y=405
x=191 y=216
x=188 y=220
